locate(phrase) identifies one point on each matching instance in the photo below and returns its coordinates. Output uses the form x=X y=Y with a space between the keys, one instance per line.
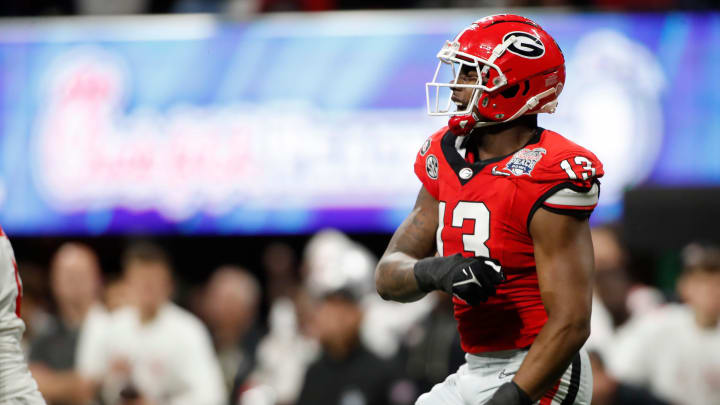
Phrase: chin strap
x=535 y=100
x=461 y=125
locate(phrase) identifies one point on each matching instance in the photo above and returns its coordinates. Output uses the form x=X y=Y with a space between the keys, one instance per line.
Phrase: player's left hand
x=510 y=394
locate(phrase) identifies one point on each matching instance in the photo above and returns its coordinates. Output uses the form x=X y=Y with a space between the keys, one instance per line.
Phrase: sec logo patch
x=431 y=166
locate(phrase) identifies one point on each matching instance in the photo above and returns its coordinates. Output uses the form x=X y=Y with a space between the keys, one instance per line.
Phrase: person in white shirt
x=675 y=351
x=17 y=386
x=154 y=352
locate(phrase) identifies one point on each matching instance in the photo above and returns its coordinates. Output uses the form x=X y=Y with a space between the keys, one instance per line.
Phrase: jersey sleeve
x=568 y=184
x=426 y=165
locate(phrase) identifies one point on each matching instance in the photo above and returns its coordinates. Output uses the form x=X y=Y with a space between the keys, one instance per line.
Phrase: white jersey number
x=585 y=168
x=467 y=210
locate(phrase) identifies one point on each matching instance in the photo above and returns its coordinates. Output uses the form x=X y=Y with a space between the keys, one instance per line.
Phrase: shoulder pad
x=566 y=160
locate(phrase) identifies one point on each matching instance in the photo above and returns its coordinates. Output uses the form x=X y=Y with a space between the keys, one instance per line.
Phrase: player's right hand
x=471 y=279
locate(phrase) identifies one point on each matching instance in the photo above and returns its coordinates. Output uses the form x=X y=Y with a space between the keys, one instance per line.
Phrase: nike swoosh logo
x=497 y=172
x=503 y=374
x=494 y=266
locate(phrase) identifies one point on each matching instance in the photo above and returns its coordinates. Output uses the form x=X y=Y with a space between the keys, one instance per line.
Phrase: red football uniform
x=485 y=208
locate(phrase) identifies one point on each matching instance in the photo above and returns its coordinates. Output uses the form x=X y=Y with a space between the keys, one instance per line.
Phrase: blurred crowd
x=97 y=338
x=245 y=7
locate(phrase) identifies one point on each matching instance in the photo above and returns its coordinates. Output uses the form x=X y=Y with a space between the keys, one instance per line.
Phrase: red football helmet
x=520 y=67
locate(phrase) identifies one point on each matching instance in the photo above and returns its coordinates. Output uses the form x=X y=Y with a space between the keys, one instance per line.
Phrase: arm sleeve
x=568 y=185
x=200 y=371
x=571 y=199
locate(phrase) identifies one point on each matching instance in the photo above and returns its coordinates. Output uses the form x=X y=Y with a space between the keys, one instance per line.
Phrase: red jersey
x=485 y=208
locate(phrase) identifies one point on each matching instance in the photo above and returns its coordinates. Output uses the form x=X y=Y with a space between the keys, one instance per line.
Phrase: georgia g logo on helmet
x=526 y=45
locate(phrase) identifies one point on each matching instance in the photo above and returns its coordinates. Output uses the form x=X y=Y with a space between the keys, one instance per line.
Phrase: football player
x=17 y=386
x=505 y=204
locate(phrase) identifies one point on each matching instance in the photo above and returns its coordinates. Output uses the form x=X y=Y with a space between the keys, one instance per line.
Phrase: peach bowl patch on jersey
x=524 y=161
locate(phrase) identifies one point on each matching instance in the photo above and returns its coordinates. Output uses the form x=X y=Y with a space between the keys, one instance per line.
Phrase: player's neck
x=504 y=139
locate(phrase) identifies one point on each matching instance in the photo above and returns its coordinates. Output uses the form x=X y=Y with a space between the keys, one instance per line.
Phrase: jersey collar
x=457 y=161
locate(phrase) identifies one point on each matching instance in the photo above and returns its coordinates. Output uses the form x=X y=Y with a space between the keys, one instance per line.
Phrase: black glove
x=471 y=279
x=510 y=394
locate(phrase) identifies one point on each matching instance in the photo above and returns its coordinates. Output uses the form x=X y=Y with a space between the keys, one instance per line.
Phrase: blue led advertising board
x=290 y=123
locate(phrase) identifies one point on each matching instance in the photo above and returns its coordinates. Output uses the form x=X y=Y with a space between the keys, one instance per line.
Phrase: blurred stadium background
x=228 y=133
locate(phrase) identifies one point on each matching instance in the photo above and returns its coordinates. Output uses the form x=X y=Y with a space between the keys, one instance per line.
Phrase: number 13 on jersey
x=583 y=167
x=471 y=211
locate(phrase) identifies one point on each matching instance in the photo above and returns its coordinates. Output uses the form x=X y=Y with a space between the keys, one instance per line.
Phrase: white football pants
x=476 y=381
